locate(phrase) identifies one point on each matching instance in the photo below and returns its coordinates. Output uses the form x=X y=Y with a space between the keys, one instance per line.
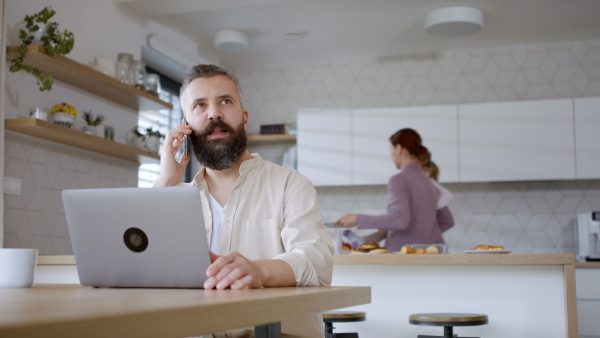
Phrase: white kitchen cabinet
x=588 y=301
x=324 y=147
x=517 y=141
x=587 y=129
x=371 y=148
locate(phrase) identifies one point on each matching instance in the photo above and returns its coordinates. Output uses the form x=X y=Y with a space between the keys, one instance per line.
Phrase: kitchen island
x=523 y=295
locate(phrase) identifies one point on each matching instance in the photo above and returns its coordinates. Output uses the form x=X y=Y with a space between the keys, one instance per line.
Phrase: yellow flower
x=65 y=108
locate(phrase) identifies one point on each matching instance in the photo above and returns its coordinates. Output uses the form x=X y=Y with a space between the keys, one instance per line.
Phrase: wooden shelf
x=52 y=132
x=271 y=139
x=90 y=80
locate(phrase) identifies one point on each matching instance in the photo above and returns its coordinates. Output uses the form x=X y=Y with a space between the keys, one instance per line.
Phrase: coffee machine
x=587 y=236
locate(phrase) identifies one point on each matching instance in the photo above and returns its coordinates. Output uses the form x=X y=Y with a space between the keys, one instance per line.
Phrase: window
x=161 y=120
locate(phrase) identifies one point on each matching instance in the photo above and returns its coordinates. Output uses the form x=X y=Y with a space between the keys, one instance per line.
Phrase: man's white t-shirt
x=217 y=217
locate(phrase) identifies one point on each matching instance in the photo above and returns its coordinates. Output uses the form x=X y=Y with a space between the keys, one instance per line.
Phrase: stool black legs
x=447 y=334
x=329 y=332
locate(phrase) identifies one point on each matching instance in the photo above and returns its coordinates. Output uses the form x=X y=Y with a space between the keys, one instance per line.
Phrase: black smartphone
x=185 y=140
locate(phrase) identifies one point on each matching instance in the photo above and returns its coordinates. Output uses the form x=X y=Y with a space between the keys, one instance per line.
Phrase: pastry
x=357 y=250
x=406 y=250
x=432 y=249
x=485 y=247
x=420 y=251
x=369 y=245
x=378 y=250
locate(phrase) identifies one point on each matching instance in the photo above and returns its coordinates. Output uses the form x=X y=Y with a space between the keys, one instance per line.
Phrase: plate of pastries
x=487 y=249
x=423 y=249
x=369 y=248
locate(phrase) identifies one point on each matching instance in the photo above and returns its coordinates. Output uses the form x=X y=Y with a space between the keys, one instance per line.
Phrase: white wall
x=36 y=218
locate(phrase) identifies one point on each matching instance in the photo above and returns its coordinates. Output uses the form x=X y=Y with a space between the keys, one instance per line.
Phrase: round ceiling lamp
x=454 y=21
x=231 y=40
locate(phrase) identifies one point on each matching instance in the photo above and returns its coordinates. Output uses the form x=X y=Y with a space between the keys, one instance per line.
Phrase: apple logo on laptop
x=135 y=239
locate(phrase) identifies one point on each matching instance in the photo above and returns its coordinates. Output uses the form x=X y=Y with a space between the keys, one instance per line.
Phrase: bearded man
x=263 y=222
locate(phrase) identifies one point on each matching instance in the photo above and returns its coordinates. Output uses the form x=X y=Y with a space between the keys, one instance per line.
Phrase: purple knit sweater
x=412 y=216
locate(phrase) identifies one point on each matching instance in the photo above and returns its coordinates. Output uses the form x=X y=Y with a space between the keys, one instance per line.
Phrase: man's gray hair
x=206 y=71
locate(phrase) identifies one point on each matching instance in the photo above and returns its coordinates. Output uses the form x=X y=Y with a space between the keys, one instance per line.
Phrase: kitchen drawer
x=587 y=315
x=588 y=284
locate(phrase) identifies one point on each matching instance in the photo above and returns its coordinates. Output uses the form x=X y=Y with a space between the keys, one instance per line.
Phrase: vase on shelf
x=152 y=143
x=63 y=119
x=90 y=130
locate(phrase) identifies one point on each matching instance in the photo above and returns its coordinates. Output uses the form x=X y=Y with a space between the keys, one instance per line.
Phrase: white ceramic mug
x=17 y=267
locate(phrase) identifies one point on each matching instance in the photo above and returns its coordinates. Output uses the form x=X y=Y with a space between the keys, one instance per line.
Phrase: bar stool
x=447 y=320
x=340 y=317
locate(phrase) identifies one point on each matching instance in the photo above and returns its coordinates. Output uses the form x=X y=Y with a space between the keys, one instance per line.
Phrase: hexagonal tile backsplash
x=525 y=217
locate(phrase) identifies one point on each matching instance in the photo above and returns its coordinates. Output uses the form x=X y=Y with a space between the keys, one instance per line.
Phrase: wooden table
x=75 y=311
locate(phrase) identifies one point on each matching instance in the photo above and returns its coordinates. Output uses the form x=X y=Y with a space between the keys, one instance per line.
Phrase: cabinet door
x=324 y=147
x=517 y=141
x=371 y=148
x=587 y=129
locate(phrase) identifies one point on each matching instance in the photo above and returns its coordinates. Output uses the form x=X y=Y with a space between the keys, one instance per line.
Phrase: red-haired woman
x=412 y=215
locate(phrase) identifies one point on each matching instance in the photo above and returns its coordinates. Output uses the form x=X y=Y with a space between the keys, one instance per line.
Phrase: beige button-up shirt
x=273 y=213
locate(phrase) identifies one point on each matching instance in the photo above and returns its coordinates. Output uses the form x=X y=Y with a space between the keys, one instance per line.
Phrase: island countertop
x=455 y=259
x=524 y=295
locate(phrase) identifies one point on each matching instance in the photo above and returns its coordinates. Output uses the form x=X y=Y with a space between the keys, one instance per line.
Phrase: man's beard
x=221 y=153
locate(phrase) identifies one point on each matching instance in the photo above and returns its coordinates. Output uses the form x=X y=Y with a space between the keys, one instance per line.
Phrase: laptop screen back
x=138 y=237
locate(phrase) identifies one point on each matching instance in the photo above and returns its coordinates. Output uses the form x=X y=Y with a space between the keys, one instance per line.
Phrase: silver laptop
x=138 y=237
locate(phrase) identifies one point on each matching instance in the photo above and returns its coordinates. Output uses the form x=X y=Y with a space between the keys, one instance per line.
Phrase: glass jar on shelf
x=139 y=74
x=153 y=84
x=124 y=67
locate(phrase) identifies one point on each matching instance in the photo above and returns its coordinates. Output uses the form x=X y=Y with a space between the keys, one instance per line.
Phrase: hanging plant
x=53 y=41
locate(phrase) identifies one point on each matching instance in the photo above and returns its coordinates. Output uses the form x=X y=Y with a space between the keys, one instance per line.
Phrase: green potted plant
x=109 y=132
x=153 y=139
x=54 y=42
x=92 y=121
x=135 y=139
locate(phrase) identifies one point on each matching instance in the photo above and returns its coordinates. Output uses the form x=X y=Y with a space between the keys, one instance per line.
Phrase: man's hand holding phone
x=171 y=169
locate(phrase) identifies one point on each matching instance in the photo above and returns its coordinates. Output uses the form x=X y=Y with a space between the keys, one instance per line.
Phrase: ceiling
x=344 y=29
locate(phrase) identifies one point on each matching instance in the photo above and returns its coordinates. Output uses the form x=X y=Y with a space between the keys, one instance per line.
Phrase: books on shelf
x=270 y=129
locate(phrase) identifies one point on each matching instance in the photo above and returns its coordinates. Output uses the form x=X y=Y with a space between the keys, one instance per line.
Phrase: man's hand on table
x=238 y=272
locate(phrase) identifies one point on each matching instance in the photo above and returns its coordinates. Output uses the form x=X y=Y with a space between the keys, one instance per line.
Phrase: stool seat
x=448 y=319
x=344 y=316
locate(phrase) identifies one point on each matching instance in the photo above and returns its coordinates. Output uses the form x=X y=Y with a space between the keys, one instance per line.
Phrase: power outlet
x=12 y=186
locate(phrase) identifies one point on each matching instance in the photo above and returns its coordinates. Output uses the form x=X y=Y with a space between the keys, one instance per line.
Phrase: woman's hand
x=347 y=221
x=171 y=170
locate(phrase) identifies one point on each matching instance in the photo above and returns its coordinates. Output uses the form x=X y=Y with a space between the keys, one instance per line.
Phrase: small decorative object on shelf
x=91 y=121
x=153 y=84
x=123 y=68
x=109 y=132
x=269 y=129
x=153 y=139
x=39 y=113
x=63 y=114
x=39 y=30
x=135 y=139
x=139 y=75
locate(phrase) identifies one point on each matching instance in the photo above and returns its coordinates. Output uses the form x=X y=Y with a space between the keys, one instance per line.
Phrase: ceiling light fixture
x=293 y=35
x=454 y=21
x=231 y=40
